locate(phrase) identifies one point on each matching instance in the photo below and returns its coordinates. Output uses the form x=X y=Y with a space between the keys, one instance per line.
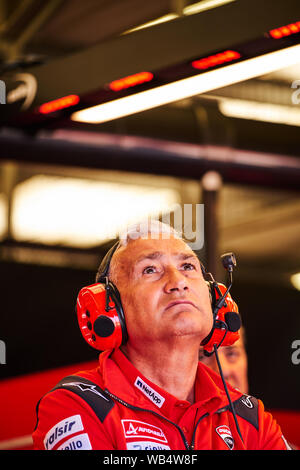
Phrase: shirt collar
x=124 y=381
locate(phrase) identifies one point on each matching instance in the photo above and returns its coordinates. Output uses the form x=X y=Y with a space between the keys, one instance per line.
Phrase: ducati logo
x=225 y=433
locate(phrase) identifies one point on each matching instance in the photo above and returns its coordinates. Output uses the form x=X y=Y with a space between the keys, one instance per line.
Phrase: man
x=234 y=363
x=152 y=393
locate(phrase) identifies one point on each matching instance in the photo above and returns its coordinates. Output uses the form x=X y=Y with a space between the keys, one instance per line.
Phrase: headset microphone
x=229 y=261
x=226 y=323
x=225 y=311
x=232 y=318
x=233 y=324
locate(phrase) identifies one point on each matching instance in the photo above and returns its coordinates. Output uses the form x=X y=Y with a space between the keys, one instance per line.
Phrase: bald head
x=122 y=266
x=153 y=230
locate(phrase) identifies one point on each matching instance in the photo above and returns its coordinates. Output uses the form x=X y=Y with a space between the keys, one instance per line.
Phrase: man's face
x=162 y=290
x=234 y=364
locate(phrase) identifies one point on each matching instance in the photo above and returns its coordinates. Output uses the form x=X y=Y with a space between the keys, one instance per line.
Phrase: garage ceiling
x=72 y=47
x=36 y=34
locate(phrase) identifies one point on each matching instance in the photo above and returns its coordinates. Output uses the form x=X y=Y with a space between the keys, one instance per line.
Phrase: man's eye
x=149 y=270
x=232 y=355
x=188 y=266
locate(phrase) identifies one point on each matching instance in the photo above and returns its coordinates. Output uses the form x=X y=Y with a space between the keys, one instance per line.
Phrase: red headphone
x=102 y=322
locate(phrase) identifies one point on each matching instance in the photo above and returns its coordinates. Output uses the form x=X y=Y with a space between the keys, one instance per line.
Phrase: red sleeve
x=66 y=422
x=270 y=434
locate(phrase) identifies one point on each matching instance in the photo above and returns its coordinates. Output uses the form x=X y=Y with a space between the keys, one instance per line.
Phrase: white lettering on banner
x=133 y=429
x=296 y=354
x=2 y=352
x=146 y=445
x=295 y=94
x=79 y=442
x=150 y=393
x=64 y=428
x=187 y=220
x=152 y=458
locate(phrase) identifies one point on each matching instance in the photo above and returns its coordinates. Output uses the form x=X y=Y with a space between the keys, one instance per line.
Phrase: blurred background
x=115 y=110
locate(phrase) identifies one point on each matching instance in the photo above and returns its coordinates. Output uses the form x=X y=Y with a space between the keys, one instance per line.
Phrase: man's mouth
x=179 y=302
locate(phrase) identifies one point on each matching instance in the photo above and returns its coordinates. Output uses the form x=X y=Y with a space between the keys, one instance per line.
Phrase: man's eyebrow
x=151 y=255
x=185 y=256
x=159 y=254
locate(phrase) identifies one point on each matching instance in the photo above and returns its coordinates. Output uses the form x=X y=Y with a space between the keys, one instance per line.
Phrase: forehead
x=138 y=250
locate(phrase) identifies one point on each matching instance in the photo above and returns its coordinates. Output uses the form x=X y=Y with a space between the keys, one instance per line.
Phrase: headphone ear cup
x=116 y=299
x=233 y=321
x=227 y=316
x=102 y=329
x=104 y=326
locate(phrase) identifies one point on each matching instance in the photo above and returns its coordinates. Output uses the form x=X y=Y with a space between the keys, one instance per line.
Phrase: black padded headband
x=103 y=269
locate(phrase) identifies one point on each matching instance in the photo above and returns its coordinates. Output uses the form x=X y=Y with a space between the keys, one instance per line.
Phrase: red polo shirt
x=115 y=407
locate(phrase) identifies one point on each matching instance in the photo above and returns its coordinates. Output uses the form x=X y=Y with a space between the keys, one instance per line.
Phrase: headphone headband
x=103 y=269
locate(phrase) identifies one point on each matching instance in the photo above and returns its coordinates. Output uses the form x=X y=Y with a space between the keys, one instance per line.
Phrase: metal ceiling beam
x=12 y=50
x=151 y=156
x=35 y=24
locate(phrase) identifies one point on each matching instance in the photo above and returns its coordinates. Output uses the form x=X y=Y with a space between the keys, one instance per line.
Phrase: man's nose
x=175 y=281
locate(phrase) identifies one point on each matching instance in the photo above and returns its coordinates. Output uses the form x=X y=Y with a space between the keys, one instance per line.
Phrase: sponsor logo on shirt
x=146 y=445
x=246 y=400
x=225 y=433
x=79 y=442
x=64 y=428
x=86 y=388
x=150 y=393
x=133 y=429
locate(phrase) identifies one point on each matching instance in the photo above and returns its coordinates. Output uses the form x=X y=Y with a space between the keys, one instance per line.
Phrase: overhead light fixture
x=256 y=111
x=131 y=80
x=60 y=103
x=161 y=19
x=191 y=86
x=283 y=31
x=186 y=11
x=295 y=280
x=82 y=213
x=204 y=5
x=216 y=59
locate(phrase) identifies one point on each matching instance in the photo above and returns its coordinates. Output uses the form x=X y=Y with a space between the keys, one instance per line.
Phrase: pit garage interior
x=68 y=185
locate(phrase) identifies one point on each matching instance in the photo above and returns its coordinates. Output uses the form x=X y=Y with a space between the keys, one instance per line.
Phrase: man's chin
x=187 y=325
